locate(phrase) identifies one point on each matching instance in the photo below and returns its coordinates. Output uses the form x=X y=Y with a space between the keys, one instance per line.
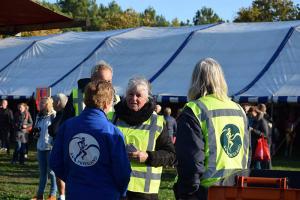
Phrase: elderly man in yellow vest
x=212 y=142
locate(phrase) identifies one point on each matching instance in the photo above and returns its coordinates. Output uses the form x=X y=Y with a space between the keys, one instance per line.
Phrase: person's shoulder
x=187 y=114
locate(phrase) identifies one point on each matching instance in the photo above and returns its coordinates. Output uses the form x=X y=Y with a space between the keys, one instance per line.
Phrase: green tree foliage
x=175 y=22
x=101 y=17
x=148 y=17
x=206 y=16
x=52 y=6
x=161 y=21
x=268 y=10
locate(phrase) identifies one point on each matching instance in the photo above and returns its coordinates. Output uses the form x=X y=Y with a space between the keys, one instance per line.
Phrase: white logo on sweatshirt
x=84 y=150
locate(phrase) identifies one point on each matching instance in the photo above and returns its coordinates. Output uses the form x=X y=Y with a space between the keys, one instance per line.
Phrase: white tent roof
x=260 y=60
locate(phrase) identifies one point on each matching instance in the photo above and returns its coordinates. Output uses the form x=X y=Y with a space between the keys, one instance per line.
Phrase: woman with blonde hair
x=212 y=142
x=44 y=147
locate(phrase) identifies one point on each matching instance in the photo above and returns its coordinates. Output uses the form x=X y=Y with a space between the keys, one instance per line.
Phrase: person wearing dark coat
x=258 y=129
x=6 y=124
x=59 y=103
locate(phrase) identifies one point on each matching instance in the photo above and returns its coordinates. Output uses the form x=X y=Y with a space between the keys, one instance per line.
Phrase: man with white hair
x=102 y=71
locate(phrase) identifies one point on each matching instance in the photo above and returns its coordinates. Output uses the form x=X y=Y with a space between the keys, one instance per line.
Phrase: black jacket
x=55 y=124
x=190 y=154
x=6 y=119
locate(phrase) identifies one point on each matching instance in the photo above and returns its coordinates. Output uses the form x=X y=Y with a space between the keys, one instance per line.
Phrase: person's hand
x=24 y=126
x=138 y=156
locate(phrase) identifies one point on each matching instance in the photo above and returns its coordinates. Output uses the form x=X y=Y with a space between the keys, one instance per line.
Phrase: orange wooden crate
x=242 y=192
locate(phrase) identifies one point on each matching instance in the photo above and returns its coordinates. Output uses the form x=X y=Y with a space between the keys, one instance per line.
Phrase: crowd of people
x=94 y=144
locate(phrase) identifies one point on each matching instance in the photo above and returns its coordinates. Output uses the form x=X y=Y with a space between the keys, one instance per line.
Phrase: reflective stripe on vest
x=144 y=179
x=213 y=149
x=78 y=101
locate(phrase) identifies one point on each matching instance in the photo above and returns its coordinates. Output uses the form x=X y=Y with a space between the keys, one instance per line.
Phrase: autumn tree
x=175 y=22
x=206 y=16
x=268 y=10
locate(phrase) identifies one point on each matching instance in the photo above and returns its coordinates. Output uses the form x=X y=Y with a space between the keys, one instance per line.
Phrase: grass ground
x=20 y=182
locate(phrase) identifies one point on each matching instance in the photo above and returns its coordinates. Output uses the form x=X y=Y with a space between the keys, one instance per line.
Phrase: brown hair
x=262 y=107
x=168 y=111
x=97 y=94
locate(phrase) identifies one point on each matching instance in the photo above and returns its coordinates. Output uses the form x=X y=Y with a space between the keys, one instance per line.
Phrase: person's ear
x=107 y=106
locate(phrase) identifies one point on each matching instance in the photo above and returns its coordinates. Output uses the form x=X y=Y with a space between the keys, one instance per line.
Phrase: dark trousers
x=140 y=196
x=5 y=134
x=200 y=194
x=19 y=153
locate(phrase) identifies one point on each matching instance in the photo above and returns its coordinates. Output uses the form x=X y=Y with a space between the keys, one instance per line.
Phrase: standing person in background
x=89 y=152
x=247 y=108
x=263 y=109
x=157 y=109
x=212 y=144
x=59 y=102
x=171 y=124
x=27 y=135
x=290 y=125
x=146 y=137
x=6 y=125
x=44 y=147
x=23 y=124
x=258 y=129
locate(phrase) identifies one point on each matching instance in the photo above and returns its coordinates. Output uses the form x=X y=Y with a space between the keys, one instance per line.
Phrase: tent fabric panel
x=171 y=99
x=252 y=27
x=86 y=58
x=283 y=78
x=270 y=62
x=240 y=65
x=139 y=52
x=243 y=50
x=47 y=60
x=14 y=97
x=10 y=49
x=176 y=53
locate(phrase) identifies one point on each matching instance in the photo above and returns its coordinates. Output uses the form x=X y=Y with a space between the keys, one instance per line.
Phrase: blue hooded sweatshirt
x=89 y=155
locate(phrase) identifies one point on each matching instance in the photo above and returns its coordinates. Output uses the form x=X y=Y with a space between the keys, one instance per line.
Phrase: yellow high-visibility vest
x=78 y=101
x=224 y=127
x=144 y=179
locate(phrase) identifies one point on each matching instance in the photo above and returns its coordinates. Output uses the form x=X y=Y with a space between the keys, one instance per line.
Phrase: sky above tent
x=183 y=10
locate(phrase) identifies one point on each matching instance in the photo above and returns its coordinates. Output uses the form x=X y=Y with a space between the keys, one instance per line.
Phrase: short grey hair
x=100 y=66
x=208 y=78
x=62 y=98
x=139 y=81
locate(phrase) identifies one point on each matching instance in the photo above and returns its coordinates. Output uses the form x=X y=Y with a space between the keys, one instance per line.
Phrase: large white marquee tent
x=261 y=61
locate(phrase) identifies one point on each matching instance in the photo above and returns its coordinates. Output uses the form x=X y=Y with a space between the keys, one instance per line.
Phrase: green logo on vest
x=231 y=140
